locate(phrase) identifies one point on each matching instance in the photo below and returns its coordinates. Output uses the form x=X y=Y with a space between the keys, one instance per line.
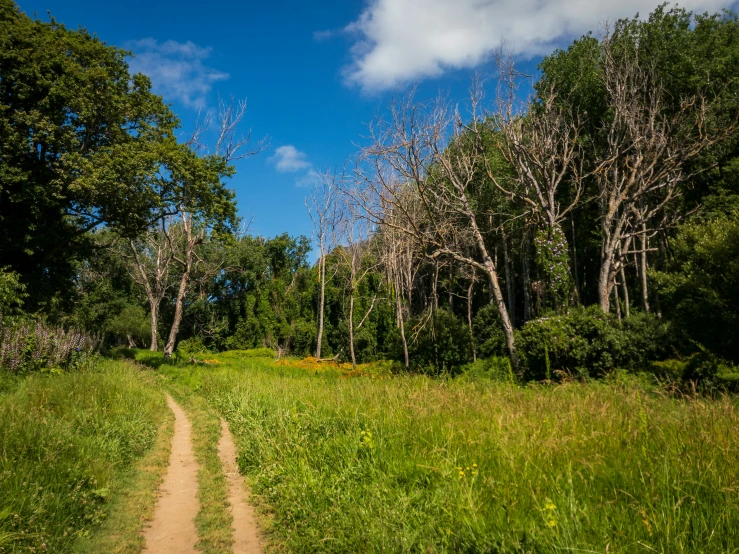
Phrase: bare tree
x=150 y=257
x=423 y=168
x=398 y=260
x=323 y=211
x=643 y=159
x=540 y=137
x=360 y=262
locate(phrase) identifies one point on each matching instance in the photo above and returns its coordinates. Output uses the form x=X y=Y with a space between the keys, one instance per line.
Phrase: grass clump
x=66 y=442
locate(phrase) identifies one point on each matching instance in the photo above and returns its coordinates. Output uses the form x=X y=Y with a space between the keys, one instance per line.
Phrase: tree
x=423 y=169
x=541 y=142
x=323 y=211
x=646 y=149
x=360 y=261
x=82 y=140
x=150 y=259
x=399 y=261
x=689 y=57
x=699 y=284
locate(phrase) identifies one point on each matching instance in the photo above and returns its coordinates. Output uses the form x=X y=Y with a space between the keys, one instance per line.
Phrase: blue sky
x=315 y=73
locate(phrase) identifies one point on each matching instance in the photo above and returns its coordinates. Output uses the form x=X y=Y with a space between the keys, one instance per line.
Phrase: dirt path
x=245 y=530
x=172 y=531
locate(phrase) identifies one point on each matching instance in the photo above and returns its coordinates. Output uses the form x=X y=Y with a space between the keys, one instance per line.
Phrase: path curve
x=245 y=531
x=172 y=531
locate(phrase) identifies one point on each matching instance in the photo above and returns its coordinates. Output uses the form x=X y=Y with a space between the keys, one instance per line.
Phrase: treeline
x=589 y=226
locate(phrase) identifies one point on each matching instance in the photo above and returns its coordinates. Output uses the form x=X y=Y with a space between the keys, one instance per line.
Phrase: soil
x=245 y=531
x=172 y=531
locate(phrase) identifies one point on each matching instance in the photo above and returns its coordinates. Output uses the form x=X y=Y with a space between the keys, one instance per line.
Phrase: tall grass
x=64 y=442
x=423 y=465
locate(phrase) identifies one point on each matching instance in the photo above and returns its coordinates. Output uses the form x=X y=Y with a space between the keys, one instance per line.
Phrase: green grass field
x=370 y=463
x=69 y=448
x=410 y=463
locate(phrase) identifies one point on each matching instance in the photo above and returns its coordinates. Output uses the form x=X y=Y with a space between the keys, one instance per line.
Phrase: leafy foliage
x=588 y=343
x=698 y=288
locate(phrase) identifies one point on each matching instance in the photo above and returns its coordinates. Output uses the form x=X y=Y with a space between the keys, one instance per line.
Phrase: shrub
x=488 y=332
x=589 y=343
x=302 y=338
x=131 y=324
x=33 y=346
x=194 y=345
x=12 y=293
x=702 y=372
x=438 y=342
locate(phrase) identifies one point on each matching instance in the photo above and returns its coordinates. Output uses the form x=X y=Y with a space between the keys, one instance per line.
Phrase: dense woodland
x=576 y=222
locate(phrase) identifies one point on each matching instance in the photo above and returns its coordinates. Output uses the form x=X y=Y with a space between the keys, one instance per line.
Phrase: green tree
x=81 y=141
x=700 y=283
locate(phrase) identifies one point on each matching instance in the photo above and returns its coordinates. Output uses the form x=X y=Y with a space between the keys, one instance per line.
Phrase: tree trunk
x=604 y=284
x=510 y=289
x=617 y=303
x=625 y=293
x=401 y=326
x=178 y=308
x=131 y=342
x=469 y=319
x=526 y=287
x=450 y=293
x=622 y=272
x=643 y=268
x=503 y=311
x=154 y=307
x=574 y=258
x=321 y=303
x=435 y=287
x=351 y=329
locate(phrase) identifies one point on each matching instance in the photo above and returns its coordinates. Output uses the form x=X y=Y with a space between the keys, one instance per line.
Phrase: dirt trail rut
x=245 y=531
x=172 y=531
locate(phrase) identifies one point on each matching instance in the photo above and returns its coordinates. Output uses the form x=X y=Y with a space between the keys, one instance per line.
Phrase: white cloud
x=402 y=40
x=309 y=180
x=176 y=69
x=288 y=159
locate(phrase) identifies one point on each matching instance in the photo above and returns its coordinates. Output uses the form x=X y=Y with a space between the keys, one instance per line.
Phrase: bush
x=442 y=344
x=12 y=293
x=188 y=347
x=488 y=332
x=497 y=368
x=131 y=324
x=588 y=343
x=701 y=372
x=27 y=346
x=302 y=339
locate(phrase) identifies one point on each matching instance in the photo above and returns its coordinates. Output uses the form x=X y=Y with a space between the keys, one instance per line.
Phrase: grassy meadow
x=72 y=447
x=349 y=462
